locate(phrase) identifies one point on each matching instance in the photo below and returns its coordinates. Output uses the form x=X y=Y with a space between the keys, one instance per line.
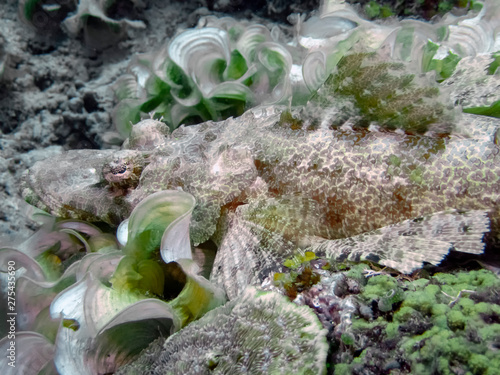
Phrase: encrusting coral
x=258 y=333
x=376 y=322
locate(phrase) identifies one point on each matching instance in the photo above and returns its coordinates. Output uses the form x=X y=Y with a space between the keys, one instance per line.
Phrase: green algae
x=425 y=9
x=444 y=68
x=299 y=259
x=355 y=271
x=301 y=275
x=436 y=325
x=383 y=92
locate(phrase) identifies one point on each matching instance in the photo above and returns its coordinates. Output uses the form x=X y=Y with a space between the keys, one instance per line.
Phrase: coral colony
x=333 y=170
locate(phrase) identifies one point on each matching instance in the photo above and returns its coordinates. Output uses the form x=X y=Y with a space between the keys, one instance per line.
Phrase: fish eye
x=119 y=171
x=123 y=173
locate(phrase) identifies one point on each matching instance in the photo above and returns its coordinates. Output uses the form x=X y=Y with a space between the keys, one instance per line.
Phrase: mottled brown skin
x=362 y=179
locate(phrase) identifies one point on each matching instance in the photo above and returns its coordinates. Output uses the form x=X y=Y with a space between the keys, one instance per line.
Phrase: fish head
x=90 y=185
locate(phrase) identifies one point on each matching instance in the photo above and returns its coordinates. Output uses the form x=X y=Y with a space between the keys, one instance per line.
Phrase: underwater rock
x=3 y=58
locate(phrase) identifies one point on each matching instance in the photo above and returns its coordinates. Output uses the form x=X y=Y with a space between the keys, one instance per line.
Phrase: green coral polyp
x=456 y=320
x=493 y=110
x=71 y=324
x=194 y=84
x=494 y=64
x=145 y=276
x=51 y=264
x=445 y=67
x=387 y=302
x=73 y=16
x=237 y=66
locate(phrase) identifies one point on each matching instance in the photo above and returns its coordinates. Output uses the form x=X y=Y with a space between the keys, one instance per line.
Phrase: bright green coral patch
x=442 y=323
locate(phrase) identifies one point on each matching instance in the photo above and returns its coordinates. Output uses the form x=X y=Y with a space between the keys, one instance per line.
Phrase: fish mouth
x=72 y=185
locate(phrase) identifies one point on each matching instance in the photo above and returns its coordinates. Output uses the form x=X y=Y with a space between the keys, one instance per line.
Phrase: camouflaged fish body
x=361 y=179
x=283 y=188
